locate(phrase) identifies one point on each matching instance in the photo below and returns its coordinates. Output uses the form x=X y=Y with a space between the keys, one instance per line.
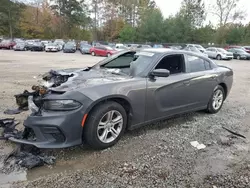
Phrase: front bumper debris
x=53 y=130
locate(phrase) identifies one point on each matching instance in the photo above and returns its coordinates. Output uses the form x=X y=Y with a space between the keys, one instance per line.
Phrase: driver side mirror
x=160 y=73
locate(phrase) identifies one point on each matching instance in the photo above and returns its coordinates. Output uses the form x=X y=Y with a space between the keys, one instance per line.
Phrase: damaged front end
x=55 y=119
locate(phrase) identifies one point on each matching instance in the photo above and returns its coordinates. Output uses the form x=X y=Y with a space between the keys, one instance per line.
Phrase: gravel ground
x=158 y=155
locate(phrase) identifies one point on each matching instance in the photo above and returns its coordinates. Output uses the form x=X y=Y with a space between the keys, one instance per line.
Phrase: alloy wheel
x=110 y=126
x=217 y=99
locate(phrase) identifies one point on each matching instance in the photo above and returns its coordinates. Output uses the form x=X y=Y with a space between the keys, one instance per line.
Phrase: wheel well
x=225 y=88
x=123 y=102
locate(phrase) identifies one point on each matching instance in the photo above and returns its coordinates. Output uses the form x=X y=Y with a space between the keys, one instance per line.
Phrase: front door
x=168 y=96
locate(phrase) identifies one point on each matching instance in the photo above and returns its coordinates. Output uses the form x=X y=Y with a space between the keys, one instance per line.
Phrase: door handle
x=186 y=83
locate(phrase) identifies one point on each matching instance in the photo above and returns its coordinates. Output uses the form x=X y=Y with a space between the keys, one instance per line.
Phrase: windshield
x=194 y=49
x=85 y=46
x=38 y=43
x=199 y=46
x=69 y=45
x=59 y=42
x=129 y=63
x=52 y=44
x=221 y=50
x=141 y=61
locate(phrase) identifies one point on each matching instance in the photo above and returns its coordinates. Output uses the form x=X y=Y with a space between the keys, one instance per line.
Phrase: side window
x=173 y=63
x=197 y=64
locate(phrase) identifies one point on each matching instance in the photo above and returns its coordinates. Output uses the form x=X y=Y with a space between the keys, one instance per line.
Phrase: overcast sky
x=169 y=7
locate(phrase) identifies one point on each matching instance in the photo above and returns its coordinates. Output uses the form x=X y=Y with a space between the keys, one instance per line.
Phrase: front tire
x=216 y=101
x=238 y=57
x=105 y=125
x=218 y=57
x=93 y=53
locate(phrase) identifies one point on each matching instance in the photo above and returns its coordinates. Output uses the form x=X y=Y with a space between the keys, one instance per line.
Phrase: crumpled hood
x=80 y=78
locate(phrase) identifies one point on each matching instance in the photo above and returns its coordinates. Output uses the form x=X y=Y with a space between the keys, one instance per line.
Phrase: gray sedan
x=124 y=91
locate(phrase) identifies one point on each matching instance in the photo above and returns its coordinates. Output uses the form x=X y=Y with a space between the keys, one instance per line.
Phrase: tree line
x=134 y=21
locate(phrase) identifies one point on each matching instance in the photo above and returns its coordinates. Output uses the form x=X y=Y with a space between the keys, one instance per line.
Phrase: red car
x=247 y=49
x=238 y=47
x=7 y=44
x=102 y=51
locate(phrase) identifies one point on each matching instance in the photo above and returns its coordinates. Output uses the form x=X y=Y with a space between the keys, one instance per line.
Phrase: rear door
x=203 y=80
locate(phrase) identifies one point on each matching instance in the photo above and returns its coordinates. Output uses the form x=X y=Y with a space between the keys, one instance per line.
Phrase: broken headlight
x=61 y=105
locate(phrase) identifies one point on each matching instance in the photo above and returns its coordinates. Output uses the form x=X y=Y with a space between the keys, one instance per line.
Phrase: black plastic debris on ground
x=24 y=155
x=29 y=157
x=8 y=129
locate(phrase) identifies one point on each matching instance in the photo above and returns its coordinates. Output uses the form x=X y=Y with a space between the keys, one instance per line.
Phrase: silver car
x=219 y=53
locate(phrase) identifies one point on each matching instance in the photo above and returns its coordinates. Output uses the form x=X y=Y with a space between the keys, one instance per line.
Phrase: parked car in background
x=102 y=51
x=132 y=46
x=20 y=46
x=81 y=43
x=52 y=47
x=29 y=44
x=37 y=46
x=121 y=48
x=239 y=53
x=85 y=48
x=199 y=47
x=219 y=53
x=7 y=44
x=158 y=46
x=45 y=42
x=144 y=46
x=69 y=47
x=195 y=50
x=238 y=47
x=175 y=47
x=247 y=48
x=60 y=43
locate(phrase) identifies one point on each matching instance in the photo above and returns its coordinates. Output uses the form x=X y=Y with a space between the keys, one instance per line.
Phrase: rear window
x=197 y=64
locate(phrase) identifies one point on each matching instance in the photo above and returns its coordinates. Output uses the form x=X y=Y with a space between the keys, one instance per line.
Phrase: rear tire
x=108 y=55
x=105 y=125
x=238 y=57
x=93 y=54
x=216 y=101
